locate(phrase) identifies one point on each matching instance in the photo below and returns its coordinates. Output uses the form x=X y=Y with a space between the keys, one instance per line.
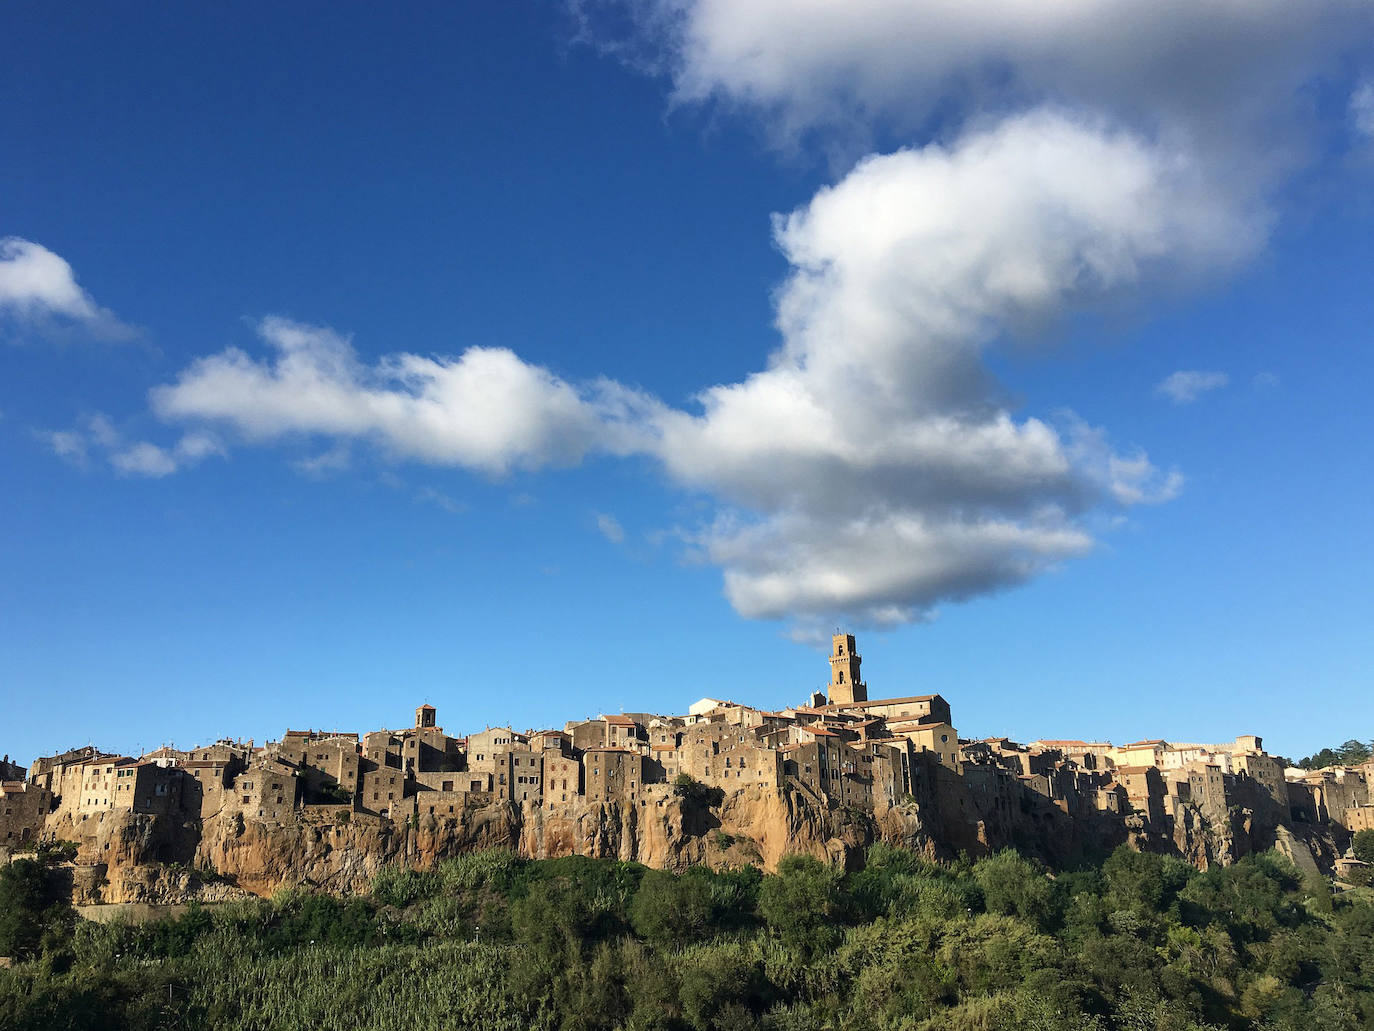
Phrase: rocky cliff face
x=125 y=857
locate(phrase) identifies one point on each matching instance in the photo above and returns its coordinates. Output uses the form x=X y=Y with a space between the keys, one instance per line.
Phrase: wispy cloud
x=1187 y=385
x=436 y=497
x=333 y=460
x=1362 y=109
x=610 y=528
x=97 y=438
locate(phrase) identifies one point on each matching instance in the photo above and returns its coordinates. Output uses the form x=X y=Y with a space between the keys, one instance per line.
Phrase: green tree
x=1363 y=846
x=30 y=910
x=1353 y=752
x=668 y=908
x=800 y=903
x=1014 y=886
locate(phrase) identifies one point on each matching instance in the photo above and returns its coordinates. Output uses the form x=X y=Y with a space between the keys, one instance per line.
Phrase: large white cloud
x=1218 y=69
x=874 y=468
x=879 y=466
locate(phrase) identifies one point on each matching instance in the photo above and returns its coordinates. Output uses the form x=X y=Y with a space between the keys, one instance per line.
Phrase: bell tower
x=424 y=717
x=846 y=685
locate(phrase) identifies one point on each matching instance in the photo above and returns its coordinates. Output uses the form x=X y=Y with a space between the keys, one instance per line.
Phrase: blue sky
x=540 y=360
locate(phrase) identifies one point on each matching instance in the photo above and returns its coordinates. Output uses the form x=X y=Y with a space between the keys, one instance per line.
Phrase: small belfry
x=424 y=717
x=846 y=684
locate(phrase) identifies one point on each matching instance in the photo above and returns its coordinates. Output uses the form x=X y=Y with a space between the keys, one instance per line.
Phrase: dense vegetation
x=1352 y=753
x=490 y=941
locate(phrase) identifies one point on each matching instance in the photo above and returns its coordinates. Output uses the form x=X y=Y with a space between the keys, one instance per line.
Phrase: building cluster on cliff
x=840 y=750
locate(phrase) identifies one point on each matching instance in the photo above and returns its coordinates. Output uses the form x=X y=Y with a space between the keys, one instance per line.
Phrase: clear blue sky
x=354 y=358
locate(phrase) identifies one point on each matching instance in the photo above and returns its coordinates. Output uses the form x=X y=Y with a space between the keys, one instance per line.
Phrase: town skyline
x=829 y=775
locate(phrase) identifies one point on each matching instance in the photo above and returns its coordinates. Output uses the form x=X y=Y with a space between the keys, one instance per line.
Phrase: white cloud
x=486 y=409
x=875 y=461
x=610 y=527
x=874 y=468
x=137 y=458
x=37 y=285
x=1187 y=385
x=69 y=445
x=1217 y=69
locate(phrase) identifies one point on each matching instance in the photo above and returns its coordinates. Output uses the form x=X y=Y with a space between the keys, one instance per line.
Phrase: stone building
x=612 y=774
x=97 y=791
x=1359 y=818
x=930 y=708
x=210 y=783
x=266 y=791
x=726 y=756
x=146 y=787
x=381 y=788
x=484 y=746
x=562 y=778
x=1145 y=791
x=24 y=809
x=940 y=738
x=520 y=775
x=832 y=769
x=1267 y=772
x=328 y=765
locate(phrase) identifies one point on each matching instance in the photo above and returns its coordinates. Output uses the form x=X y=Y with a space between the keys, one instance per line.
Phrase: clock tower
x=846 y=685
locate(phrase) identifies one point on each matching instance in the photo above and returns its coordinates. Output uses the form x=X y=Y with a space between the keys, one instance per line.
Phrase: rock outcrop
x=129 y=858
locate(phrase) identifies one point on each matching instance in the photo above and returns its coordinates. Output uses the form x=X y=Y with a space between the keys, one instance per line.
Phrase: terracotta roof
x=1142 y=744
x=618 y=721
x=816 y=728
x=1132 y=770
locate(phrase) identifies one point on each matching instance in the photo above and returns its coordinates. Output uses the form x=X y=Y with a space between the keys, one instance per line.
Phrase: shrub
x=33 y=916
x=800 y=903
x=1014 y=886
x=1363 y=846
x=668 y=908
x=494 y=868
x=695 y=794
x=401 y=886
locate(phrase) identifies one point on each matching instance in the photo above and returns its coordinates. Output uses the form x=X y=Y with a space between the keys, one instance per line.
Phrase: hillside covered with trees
x=488 y=940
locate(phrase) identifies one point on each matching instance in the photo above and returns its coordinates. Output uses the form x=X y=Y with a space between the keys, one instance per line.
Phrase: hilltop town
x=723 y=783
